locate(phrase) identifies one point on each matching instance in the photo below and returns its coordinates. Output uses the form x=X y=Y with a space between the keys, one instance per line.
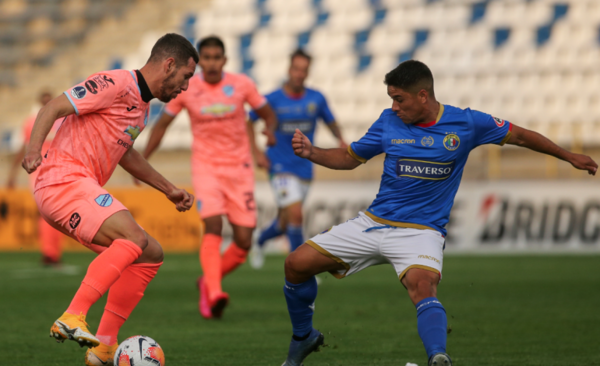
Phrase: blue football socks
x=294 y=234
x=300 y=300
x=432 y=325
x=270 y=232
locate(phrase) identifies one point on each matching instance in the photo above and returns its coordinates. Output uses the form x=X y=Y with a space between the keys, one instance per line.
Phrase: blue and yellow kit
x=294 y=113
x=424 y=164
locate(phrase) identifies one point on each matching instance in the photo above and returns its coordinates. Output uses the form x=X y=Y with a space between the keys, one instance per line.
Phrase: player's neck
x=154 y=83
x=294 y=93
x=432 y=114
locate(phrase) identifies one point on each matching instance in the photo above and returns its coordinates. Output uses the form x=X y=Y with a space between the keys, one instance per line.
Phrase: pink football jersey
x=111 y=109
x=218 y=117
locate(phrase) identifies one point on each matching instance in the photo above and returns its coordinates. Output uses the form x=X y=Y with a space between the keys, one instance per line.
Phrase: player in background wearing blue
x=296 y=107
x=426 y=145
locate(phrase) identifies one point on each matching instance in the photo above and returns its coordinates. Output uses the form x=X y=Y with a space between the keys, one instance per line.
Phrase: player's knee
x=296 y=267
x=213 y=225
x=294 y=215
x=138 y=237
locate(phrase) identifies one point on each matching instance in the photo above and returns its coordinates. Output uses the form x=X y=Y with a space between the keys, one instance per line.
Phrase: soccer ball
x=139 y=351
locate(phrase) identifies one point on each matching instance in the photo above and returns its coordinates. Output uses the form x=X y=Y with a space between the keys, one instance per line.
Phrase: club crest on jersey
x=78 y=92
x=451 y=141
x=421 y=169
x=228 y=90
x=427 y=141
x=104 y=200
x=499 y=122
x=133 y=132
x=218 y=109
x=311 y=107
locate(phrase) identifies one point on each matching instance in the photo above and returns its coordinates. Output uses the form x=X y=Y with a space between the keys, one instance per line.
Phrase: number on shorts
x=250 y=204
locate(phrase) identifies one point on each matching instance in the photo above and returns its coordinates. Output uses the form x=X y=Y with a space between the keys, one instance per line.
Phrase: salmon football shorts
x=78 y=208
x=225 y=190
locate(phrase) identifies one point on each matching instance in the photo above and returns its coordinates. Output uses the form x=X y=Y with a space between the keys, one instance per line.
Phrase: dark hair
x=300 y=53
x=210 y=41
x=173 y=45
x=411 y=76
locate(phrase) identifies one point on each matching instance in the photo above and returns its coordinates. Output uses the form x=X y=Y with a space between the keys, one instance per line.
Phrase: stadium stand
x=529 y=61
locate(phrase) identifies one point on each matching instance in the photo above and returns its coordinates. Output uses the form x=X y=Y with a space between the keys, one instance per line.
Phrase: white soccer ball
x=139 y=351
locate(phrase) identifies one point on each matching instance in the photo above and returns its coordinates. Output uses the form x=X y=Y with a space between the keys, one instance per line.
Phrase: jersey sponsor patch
x=133 y=132
x=499 y=122
x=420 y=169
x=78 y=92
x=291 y=126
x=98 y=83
x=104 y=200
x=218 y=109
x=451 y=141
x=427 y=141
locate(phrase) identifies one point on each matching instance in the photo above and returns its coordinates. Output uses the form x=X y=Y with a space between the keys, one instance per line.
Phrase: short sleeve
x=369 y=145
x=489 y=129
x=174 y=106
x=97 y=92
x=253 y=97
x=324 y=111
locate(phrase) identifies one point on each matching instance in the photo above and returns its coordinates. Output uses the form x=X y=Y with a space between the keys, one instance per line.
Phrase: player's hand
x=31 y=161
x=301 y=145
x=183 y=200
x=261 y=160
x=271 y=140
x=584 y=162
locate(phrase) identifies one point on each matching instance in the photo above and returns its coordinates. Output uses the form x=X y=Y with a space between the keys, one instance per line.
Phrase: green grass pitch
x=503 y=310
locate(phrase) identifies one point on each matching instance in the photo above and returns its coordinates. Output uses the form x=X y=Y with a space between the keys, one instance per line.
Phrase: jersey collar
x=439 y=116
x=144 y=89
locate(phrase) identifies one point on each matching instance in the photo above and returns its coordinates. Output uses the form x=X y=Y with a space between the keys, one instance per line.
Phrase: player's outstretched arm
x=55 y=109
x=157 y=134
x=536 y=142
x=266 y=113
x=135 y=164
x=260 y=158
x=338 y=158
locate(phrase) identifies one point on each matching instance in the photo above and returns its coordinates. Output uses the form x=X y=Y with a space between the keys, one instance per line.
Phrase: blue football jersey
x=423 y=165
x=294 y=113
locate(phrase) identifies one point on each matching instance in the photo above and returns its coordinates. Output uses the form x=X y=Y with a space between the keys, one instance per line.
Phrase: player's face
x=298 y=72
x=177 y=81
x=212 y=61
x=408 y=106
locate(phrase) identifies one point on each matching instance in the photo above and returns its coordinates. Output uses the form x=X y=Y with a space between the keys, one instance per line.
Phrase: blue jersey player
x=426 y=145
x=296 y=107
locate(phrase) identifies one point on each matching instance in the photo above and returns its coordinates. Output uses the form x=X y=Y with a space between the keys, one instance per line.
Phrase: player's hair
x=173 y=45
x=300 y=53
x=411 y=76
x=210 y=41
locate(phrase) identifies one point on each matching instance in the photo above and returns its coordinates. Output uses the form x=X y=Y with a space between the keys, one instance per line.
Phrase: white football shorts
x=289 y=189
x=361 y=242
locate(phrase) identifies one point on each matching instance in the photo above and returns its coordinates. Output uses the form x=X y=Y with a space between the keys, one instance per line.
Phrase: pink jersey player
x=104 y=116
x=222 y=168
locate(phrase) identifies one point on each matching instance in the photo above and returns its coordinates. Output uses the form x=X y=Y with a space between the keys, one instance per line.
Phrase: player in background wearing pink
x=222 y=169
x=50 y=239
x=104 y=115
